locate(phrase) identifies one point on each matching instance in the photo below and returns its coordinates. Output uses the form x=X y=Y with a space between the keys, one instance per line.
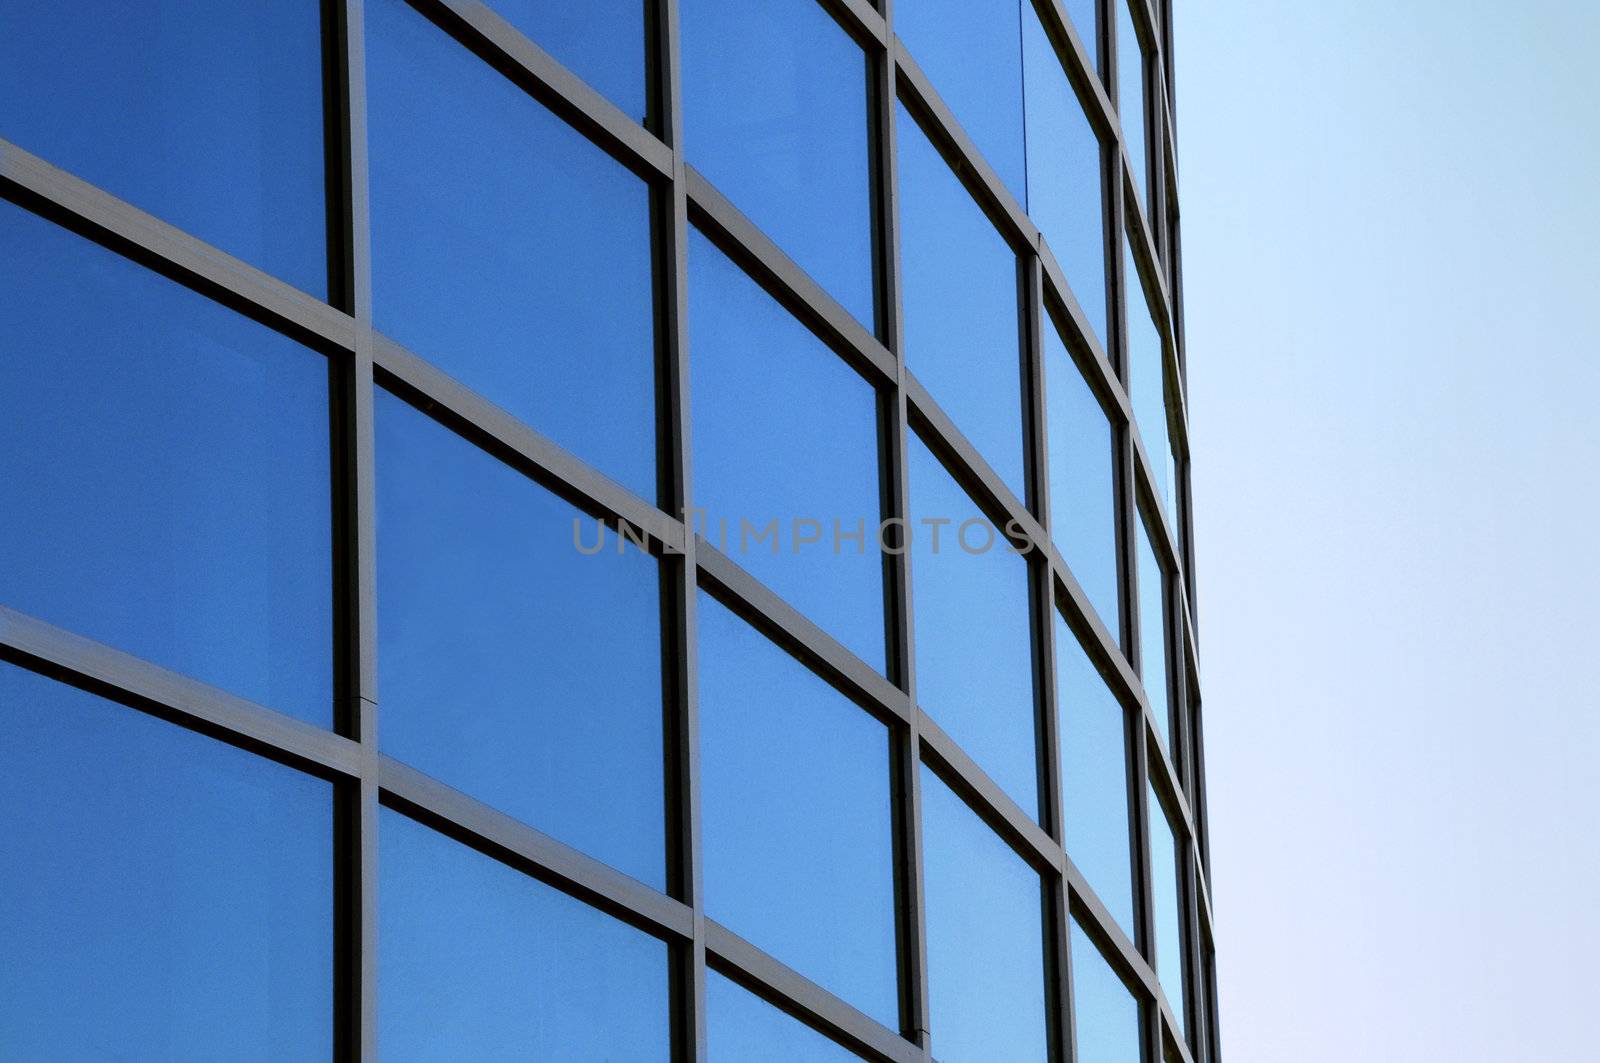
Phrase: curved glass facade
x=648 y=530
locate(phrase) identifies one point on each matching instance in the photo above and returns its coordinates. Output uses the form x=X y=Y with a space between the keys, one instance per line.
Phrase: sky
x=1391 y=251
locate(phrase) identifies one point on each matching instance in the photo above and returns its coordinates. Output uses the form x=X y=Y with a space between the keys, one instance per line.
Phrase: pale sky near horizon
x=1390 y=248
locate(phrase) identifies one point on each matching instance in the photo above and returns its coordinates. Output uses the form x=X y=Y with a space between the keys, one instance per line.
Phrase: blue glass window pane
x=775 y=116
x=478 y=961
x=1167 y=899
x=1130 y=100
x=173 y=902
x=1147 y=379
x=795 y=815
x=514 y=667
x=1153 y=632
x=741 y=1027
x=1105 y=1014
x=971 y=51
x=509 y=250
x=209 y=116
x=960 y=291
x=1083 y=492
x=974 y=657
x=1086 y=21
x=1064 y=174
x=986 y=965
x=1094 y=777
x=785 y=431
x=602 y=41
x=164 y=471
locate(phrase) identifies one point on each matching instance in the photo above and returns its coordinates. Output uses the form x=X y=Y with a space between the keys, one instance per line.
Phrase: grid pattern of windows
x=472 y=496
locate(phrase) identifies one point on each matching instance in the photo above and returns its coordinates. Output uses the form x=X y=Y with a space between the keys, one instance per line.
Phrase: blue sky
x=1390 y=241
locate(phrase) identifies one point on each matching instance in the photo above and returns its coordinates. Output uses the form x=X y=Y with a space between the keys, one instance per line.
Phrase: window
x=209 y=118
x=1166 y=858
x=796 y=819
x=1083 y=489
x=775 y=116
x=1153 y=633
x=785 y=434
x=960 y=291
x=741 y=1027
x=1105 y=1014
x=1130 y=103
x=1146 y=376
x=178 y=895
x=509 y=250
x=1094 y=777
x=1064 y=173
x=514 y=666
x=986 y=960
x=479 y=961
x=968 y=49
x=602 y=41
x=973 y=647
x=1085 y=20
x=164 y=467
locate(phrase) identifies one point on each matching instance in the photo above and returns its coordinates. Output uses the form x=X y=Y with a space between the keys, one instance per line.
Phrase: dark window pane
x=986 y=995
x=795 y=815
x=960 y=293
x=974 y=658
x=602 y=41
x=1083 y=492
x=1130 y=99
x=164 y=472
x=1094 y=777
x=1165 y=856
x=172 y=902
x=478 y=961
x=970 y=51
x=741 y=1027
x=1153 y=632
x=508 y=249
x=208 y=116
x=1064 y=174
x=785 y=431
x=1147 y=380
x=514 y=667
x=1105 y=1013
x=775 y=115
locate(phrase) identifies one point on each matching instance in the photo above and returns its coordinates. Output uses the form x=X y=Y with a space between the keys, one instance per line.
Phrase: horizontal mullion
x=129 y=678
x=1106 y=382
x=793 y=992
x=1084 y=903
x=992 y=804
x=1081 y=70
x=139 y=235
x=862 y=19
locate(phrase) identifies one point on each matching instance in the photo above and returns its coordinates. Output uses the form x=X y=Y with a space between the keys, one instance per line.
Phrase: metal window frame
x=362 y=359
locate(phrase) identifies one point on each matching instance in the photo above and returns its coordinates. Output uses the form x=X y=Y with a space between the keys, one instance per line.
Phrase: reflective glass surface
x=775 y=116
x=974 y=657
x=495 y=227
x=986 y=987
x=513 y=666
x=164 y=472
x=209 y=116
x=479 y=961
x=173 y=902
x=1153 y=632
x=1167 y=897
x=1105 y=1014
x=796 y=819
x=1064 y=173
x=960 y=291
x=1083 y=490
x=970 y=51
x=602 y=41
x=1094 y=777
x=785 y=432
x=1146 y=378
x=741 y=1027
x=1130 y=97
x=1085 y=19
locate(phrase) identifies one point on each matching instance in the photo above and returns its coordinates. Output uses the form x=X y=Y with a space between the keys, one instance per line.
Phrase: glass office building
x=470 y=578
